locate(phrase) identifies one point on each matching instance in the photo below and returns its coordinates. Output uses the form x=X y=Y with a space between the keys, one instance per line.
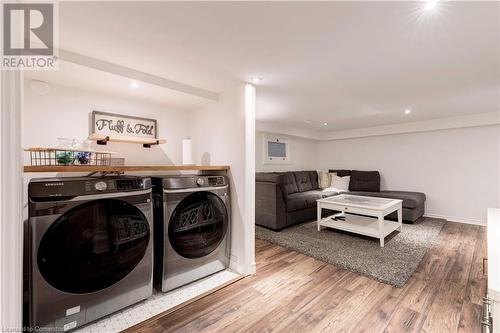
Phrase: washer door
x=198 y=225
x=93 y=246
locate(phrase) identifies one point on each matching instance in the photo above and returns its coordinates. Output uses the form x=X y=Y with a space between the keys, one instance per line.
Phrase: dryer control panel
x=182 y=182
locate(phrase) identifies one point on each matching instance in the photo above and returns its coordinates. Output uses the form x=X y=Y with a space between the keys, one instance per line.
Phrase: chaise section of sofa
x=413 y=203
x=367 y=183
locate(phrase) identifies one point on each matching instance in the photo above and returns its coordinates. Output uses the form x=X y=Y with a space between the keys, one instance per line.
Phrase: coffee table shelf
x=362 y=225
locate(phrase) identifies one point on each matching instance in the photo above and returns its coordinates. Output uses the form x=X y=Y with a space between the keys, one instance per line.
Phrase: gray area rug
x=392 y=264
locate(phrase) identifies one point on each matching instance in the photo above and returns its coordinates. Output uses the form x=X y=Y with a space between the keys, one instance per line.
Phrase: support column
x=11 y=223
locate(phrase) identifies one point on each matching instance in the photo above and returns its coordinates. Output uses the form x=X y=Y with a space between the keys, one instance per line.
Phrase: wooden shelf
x=89 y=168
x=146 y=142
x=40 y=149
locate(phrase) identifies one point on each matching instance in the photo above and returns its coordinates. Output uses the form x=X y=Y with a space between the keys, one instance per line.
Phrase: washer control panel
x=101 y=186
x=129 y=184
x=93 y=186
x=114 y=185
x=60 y=188
x=216 y=180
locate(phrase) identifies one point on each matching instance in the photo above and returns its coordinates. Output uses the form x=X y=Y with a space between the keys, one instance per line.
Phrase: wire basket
x=67 y=156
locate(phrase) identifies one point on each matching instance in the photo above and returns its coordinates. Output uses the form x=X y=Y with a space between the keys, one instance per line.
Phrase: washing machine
x=192 y=225
x=90 y=248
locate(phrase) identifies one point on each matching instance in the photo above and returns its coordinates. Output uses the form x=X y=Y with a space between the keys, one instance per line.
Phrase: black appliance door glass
x=198 y=225
x=93 y=246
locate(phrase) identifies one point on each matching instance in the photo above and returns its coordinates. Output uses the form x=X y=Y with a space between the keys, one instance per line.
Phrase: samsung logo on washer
x=54 y=184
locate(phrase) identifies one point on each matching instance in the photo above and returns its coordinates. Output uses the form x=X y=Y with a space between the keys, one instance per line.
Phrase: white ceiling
x=351 y=64
x=101 y=82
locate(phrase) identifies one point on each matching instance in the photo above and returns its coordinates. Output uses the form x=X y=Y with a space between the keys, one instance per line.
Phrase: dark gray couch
x=288 y=198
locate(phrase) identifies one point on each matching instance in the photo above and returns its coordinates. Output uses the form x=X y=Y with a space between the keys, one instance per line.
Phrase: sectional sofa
x=287 y=198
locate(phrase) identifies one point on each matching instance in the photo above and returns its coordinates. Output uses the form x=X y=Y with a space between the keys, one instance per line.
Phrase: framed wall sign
x=276 y=149
x=113 y=124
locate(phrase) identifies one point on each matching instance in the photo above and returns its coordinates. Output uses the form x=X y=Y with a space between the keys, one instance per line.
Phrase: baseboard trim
x=457 y=219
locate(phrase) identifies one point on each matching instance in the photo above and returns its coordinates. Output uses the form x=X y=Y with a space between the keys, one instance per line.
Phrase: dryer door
x=93 y=245
x=198 y=225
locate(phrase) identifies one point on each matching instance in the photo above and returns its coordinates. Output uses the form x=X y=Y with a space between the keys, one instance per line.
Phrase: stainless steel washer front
x=91 y=248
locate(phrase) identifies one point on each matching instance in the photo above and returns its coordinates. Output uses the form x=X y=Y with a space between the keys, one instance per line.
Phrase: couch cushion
x=341 y=172
x=302 y=200
x=289 y=184
x=303 y=181
x=364 y=181
x=313 y=177
x=410 y=199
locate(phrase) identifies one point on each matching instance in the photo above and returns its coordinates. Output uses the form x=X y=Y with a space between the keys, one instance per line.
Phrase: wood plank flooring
x=292 y=292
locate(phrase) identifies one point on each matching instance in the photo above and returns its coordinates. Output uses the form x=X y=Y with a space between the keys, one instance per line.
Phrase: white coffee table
x=374 y=210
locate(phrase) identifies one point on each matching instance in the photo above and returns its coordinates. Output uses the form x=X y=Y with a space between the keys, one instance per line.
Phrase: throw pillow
x=324 y=179
x=339 y=184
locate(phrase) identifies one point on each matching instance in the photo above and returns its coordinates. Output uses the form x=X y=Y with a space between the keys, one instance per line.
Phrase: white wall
x=219 y=138
x=65 y=112
x=458 y=169
x=303 y=154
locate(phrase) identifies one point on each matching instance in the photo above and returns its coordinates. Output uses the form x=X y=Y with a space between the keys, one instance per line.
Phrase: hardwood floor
x=295 y=293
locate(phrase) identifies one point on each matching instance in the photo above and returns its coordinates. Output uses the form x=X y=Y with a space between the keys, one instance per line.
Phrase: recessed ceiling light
x=325 y=124
x=430 y=4
x=134 y=84
x=308 y=121
x=407 y=111
x=256 y=79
